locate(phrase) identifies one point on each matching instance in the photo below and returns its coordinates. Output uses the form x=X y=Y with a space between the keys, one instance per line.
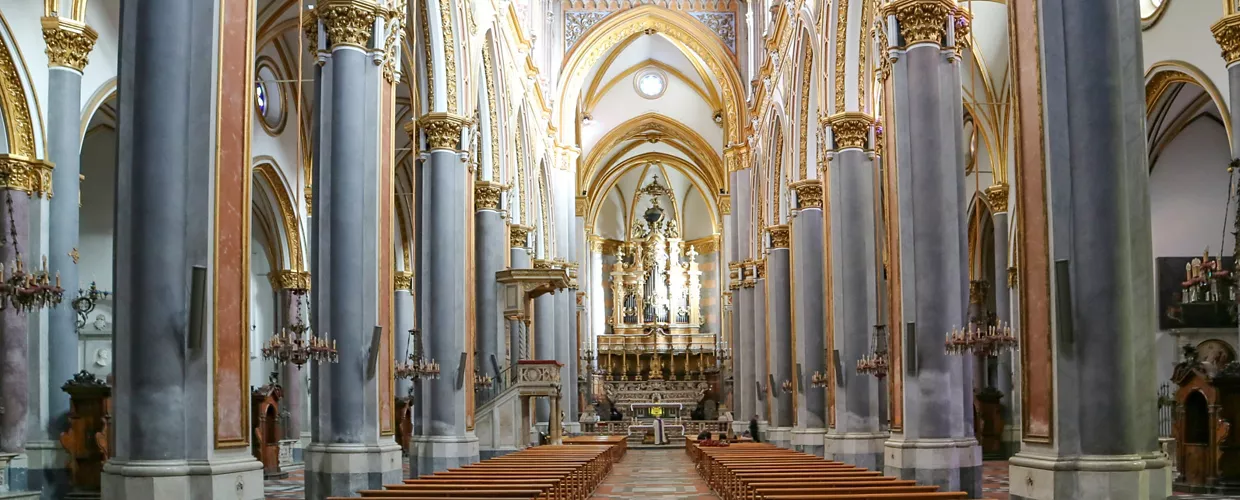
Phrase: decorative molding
x=780 y=236
x=20 y=173
x=725 y=204
x=348 y=22
x=518 y=235
x=921 y=21
x=841 y=52
x=544 y=264
x=577 y=23
x=1012 y=277
x=68 y=42
x=997 y=198
x=703 y=245
x=581 y=206
x=809 y=193
x=443 y=130
x=292 y=224
x=850 y=129
x=487 y=195
x=290 y=280
x=759 y=266
x=1227 y=34
x=14 y=109
x=402 y=280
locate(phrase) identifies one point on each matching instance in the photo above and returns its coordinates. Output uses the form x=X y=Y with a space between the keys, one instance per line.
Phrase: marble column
x=488 y=259
x=937 y=445
x=68 y=45
x=761 y=347
x=293 y=288
x=997 y=195
x=401 y=349
x=519 y=258
x=809 y=309
x=544 y=340
x=779 y=300
x=1092 y=198
x=14 y=328
x=857 y=437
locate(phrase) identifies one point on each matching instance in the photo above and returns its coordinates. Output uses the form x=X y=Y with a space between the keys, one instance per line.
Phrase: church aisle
x=666 y=473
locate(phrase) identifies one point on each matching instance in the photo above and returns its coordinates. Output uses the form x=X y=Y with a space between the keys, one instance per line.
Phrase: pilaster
x=809 y=310
x=779 y=301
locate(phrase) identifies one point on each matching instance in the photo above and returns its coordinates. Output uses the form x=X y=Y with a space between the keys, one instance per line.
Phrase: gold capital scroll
x=290 y=280
x=779 y=236
x=725 y=204
x=487 y=195
x=20 y=173
x=68 y=42
x=443 y=130
x=1227 y=34
x=921 y=21
x=402 y=280
x=518 y=235
x=851 y=129
x=348 y=22
x=997 y=197
x=809 y=193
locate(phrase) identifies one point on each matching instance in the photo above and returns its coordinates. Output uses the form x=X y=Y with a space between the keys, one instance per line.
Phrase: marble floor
x=665 y=473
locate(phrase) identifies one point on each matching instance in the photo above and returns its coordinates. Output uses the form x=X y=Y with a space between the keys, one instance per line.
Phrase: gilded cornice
x=725 y=204
x=348 y=22
x=780 y=236
x=809 y=193
x=612 y=247
x=1160 y=82
x=595 y=243
x=20 y=173
x=443 y=130
x=487 y=195
x=544 y=264
x=704 y=245
x=518 y=235
x=402 y=280
x=1227 y=34
x=68 y=42
x=734 y=157
x=851 y=129
x=290 y=280
x=997 y=198
x=921 y=21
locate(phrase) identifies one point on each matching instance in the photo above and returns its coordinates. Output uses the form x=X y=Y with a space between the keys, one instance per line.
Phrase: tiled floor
x=654 y=474
x=995 y=480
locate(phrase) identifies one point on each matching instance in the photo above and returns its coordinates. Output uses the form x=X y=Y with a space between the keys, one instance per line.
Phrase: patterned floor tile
x=654 y=474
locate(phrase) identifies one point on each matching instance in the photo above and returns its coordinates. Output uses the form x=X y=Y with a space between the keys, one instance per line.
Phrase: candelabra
x=820 y=379
x=300 y=346
x=786 y=386
x=22 y=289
x=482 y=382
x=981 y=341
x=419 y=367
x=85 y=302
x=876 y=363
x=723 y=354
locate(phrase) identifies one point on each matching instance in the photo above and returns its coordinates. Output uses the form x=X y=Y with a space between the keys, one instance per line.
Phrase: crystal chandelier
x=876 y=363
x=298 y=345
x=982 y=341
x=26 y=290
x=419 y=367
x=86 y=301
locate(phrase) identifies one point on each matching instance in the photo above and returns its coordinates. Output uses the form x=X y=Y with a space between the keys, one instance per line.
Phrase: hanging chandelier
x=820 y=379
x=23 y=289
x=419 y=367
x=875 y=363
x=298 y=345
x=982 y=341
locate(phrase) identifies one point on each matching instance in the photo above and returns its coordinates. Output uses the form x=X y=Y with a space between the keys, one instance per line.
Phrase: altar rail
x=621 y=427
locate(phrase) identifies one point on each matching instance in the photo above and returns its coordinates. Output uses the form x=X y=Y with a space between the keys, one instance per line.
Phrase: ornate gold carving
x=865 y=33
x=841 y=52
x=492 y=109
x=68 y=42
x=977 y=291
x=1227 y=34
x=487 y=195
x=851 y=129
x=807 y=72
x=449 y=51
x=75 y=255
x=759 y=266
x=20 y=173
x=15 y=110
x=997 y=197
x=779 y=236
x=518 y=235
x=921 y=21
x=962 y=23
x=596 y=244
x=395 y=26
x=402 y=280
x=582 y=206
x=544 y=264
x=310 y=27
x=725 y=204
x=290 y=280
x=292 y=224
x=809 y=193
x=703 y=245
x=1159 y=82
x=348 y=22
x=1012 y=277
x=443 y=130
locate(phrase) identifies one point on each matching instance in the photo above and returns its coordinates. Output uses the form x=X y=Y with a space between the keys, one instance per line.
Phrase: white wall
x=98 y=207
x=262 y=311
x=1188 y=190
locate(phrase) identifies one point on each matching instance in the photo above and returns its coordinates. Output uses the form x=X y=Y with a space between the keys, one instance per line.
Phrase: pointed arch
x=651 y=126
x=272 y=185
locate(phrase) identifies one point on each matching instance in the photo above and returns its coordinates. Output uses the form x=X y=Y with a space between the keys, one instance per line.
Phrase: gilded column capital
x=518 y=235
x=596 y=244
x=1227 y=34
x=759 y=267
x=289 y=280
x=402 y=280
x=487 y=195
x=348 y=22
x=581 y=206
x=68 y=42
x=779 y=236
x=921 y=21
x=725 y=204
x=734 y=157
x=809 y=192
x=20 y=173
x=851 y=129
x=443 y=130
x=997 y=197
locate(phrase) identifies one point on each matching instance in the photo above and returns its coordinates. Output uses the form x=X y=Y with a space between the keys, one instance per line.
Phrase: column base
x=1011 y=441
x=1127 y=477
x=952 y=464
x=238 y=476
x=47 y=470
x=863 y=449
x=811 y=441
x=14 y=473
x=431 y=454
x=341 y=470
x=780 y=436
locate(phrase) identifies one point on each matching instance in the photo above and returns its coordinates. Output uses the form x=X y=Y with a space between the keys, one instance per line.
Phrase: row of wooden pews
x=553 y=472
x=762 y=471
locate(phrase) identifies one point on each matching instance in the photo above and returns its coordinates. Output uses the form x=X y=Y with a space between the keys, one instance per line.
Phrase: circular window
x=1151 y=11
x=270 y=100
x=260 y=98
x=650 y=83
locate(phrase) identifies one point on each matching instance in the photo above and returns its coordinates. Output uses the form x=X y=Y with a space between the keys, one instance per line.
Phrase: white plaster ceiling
x=1178 y=106
x=990 y=39
x=623 y=205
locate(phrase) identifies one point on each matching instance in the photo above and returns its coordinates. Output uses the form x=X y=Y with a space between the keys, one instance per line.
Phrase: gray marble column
x=779 y=299
x=402 y=302
x=761 y=345
x=14 y=372
x=292 y=312
x=519 y=258
x=1097 y=209
x=544 y=343
x=489 y=259
x=1003 y=306
x=937 y=445
x=809 y=309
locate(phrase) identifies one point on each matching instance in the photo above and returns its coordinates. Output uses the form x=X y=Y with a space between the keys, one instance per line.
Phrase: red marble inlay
x=232 y=217
x=387 y=247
